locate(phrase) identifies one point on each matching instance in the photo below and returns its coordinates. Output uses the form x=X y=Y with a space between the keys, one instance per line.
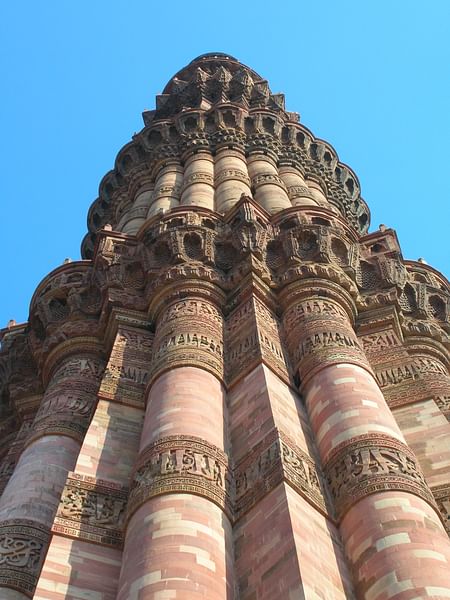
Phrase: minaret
x=238 y=393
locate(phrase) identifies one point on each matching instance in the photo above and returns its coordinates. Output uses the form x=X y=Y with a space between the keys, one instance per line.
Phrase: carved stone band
x=327 y=347
x=373 y=463
x=441 y=494
x=299 y=191
x=51 y=426
x=65 y=413
x=318 y=334
x=419 y=368
x=181 y=463
x=163 y=191
x=314 y=309
x=443 y=403
x=252 y=336
x=189 y=333
x=268 y=178
x=188 y=348
x=273 y=460
x=23 y=544
x=227 y=174
x=92 y=510
x=199 y=177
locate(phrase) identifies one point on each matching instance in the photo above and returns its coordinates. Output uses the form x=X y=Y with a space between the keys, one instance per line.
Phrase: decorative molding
x=443 y=403
x=252 y=335
x=373 y=463
x=417 y=368
x=70 y=399
x=92 y=510
x=415 y=379
x=127 y=372
x=274 y=460
x=23 y=544
x=187 y=464
x=182 y=463
x=379 y=341
x=319 y=342
x=441 y=494
x=189 y=333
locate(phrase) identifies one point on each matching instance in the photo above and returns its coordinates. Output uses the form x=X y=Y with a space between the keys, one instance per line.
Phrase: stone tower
x=238 y=393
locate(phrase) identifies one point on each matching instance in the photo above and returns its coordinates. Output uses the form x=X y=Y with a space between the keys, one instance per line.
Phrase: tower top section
x=217 y=131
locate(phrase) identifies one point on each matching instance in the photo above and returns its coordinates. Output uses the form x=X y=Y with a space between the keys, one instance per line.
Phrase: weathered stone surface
x=239 y=392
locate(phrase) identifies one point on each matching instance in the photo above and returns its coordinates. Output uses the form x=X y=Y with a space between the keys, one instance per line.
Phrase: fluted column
x=297 y=189
x=167 y=190
x=393 y=536
x=29 y=502
x=198 y=181
x=317 y=192
x=231 y=178
x=87 y=529
x=269 y=189
x=275 y=469
x=136 y=216
x=178 y=537
x=10 y=459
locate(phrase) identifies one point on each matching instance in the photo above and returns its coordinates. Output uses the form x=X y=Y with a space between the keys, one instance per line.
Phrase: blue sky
x=371 y=78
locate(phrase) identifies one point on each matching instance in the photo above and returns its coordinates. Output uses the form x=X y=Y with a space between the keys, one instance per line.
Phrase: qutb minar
x=238 y=393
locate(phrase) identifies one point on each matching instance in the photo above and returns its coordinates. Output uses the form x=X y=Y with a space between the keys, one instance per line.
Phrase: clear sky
x=370 y=77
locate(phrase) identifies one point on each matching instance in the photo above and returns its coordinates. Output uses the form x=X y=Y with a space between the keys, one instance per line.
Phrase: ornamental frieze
x=272 y=461
x=382 y=340
x=191 y=309
x=189 y=333
x=92 y=510
x=70 y=399
x=443 y=403
x=415 y=369
x=324 y=339
x=312 y=309
x=272 y=347
x=188 y=348
x=86 y=367
x=256 y=345
x=198 y=177
x=318 y=333
x=126 y=373
x=372 y=463
x=181 y=463
x=227 y=174
x=76 y=402
x=74 y=428
x=441 y=494
x=327 y=347
x=252 y=335
x=22 y=548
